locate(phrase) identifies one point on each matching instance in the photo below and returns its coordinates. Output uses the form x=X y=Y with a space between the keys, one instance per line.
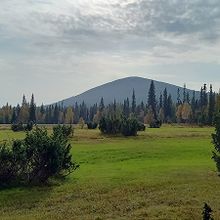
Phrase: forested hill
x=121 y=89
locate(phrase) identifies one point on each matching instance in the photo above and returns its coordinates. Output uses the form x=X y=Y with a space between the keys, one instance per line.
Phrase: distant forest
x=186 y=110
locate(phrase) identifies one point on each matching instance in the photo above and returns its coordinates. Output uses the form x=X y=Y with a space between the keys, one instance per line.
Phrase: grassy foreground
x=163 y=173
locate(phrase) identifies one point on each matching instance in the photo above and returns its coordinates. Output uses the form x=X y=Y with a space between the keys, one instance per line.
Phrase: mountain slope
x=121 y=89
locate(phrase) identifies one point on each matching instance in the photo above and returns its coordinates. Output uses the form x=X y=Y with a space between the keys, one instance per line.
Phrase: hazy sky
x=59 y=48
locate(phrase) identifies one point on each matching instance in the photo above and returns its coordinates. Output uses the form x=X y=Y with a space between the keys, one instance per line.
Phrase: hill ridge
x=120 y=89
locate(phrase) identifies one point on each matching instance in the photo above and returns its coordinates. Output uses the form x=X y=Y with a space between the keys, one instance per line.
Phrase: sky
x=60 y=48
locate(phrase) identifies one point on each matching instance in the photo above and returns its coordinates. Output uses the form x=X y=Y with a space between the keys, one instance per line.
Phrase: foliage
x=20 y=127
x=92 y=125
x=36 y=158
x=66 y=131
x=109 y=125
x=155 y=124
x=216 y=142
x=125 y=126
x=207 y=212
x=129 y=126
x=141 y=126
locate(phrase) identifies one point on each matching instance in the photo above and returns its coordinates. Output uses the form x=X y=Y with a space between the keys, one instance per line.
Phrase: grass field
x=163 y=173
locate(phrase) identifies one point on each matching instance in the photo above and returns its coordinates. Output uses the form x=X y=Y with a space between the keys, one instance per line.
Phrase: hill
x=121 y=89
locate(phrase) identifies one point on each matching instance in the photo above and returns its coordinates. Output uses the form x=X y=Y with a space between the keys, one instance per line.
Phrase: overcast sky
x=60 y=48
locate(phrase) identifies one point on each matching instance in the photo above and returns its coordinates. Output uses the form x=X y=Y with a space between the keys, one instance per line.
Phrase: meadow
x=164 y=173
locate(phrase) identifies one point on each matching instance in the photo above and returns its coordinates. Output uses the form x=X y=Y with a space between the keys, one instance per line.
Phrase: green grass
x=163 y=173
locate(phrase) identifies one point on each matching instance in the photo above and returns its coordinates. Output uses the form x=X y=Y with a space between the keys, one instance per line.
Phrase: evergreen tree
x=133 y=105
x=32 y=110
x=126 y=108
x=161 y=101
x=14 y=116
x=165 y=103
x=169 y=107
x=193 y=106
x=184 y=93
x=101 y=105
x=211 y=106
x=56 y=114
x=187 y=98
x=152 y=99
x=178 y=97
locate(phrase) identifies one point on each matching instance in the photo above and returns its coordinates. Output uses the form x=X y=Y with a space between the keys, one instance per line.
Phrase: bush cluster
x=21 y=127
x=92 y=125
x=125 y=126
x=155 y=124
x=66 y=131
x=36 y=158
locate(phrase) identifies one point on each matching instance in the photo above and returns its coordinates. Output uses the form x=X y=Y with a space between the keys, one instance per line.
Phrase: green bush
x=207 y=212
x=155 y=124
x=21 y=127
x=216 y=142
x=36 y=158
x=91 y=125
x=141 y=126
x=129 y=126
x=110 y=126
x=125 y=126
x=66 y=131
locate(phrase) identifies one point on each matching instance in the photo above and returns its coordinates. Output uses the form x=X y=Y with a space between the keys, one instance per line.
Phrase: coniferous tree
x=126 y=108
x=178 y=97
x=101 y=105
x=14 y=116
x=187 y=98
x=152 y=99
x=161 y=101
x=165 y=103
x=32 y=110
x=193 y=106
x=211 y=106
x=56 y=114
x=133 y=105
x=184 y=93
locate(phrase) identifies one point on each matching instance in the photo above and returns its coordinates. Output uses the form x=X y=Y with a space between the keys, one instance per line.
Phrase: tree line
x=186 y=109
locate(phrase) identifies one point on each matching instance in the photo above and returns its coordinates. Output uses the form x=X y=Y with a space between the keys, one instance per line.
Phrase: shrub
x=110 y=126
x=155 y=124
x=207 y=212
x=141 y=126
x=36 y=158
x=17 y=127
x=129 y=126
x=216 y=142
x=125 y=126
x=91 y=125
x=29 y=126
x=21 y=127
x=65 y=130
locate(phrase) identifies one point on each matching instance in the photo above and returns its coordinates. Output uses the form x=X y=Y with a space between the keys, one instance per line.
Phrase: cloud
x=81 y=39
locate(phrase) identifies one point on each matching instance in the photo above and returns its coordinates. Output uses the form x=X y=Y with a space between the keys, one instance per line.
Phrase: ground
x=164 y=173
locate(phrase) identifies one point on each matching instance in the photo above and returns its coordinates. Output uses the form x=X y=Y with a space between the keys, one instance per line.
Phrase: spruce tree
x=133 y=105
x=14 y=116
x=178 y=97
x=56 y=114
x=165 y=103
x=32 y=110
x=211 y=106
x=161 y=101
x=101 y=105
x=152 y=99
x=184 y=93
x=193 y=105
